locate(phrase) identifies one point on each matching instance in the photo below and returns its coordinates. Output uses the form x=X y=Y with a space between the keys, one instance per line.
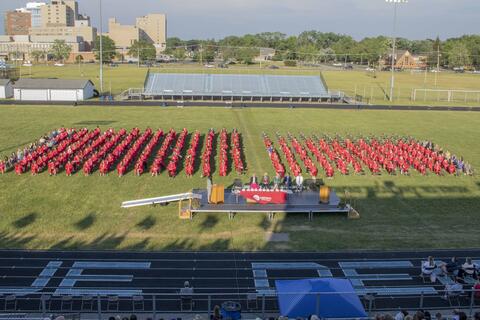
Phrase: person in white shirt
x=428 y=269
x=299 y=182
x=401 y=315
x=187 y=290
x=468 y=269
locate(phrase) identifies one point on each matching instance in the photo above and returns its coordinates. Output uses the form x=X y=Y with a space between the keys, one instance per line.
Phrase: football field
x=83 y=212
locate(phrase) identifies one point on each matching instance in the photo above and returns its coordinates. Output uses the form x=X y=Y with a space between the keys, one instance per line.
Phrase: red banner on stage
x=265 y=197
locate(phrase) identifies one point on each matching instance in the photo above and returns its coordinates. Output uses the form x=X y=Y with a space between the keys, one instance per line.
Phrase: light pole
x=394 y=43
x=101 y=46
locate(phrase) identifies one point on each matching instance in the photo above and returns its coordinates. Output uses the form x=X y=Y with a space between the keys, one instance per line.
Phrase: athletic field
x=374 y=90
x=78 y=212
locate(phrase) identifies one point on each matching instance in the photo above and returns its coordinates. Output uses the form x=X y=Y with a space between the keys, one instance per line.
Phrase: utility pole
x=101 y=46
x=438 y=64
x=394 y=44
x=138 y=54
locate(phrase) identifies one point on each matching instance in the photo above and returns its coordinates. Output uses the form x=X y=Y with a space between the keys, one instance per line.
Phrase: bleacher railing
x=260 y=304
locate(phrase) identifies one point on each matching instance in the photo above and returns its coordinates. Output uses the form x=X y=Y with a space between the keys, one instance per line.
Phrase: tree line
x=307 y=47
x=317 y=47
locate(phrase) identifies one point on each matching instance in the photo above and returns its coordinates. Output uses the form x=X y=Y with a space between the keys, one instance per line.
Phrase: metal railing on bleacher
x=261 y=305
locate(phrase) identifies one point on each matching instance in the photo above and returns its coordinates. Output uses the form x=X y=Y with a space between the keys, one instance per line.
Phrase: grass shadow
x=86 y=222
x=191 y=244
x=14 y=241
x=209 y=222
x=147 y=223
x=265 y=224
x=198 y=159
x=183 y=154
x=139 y=246
x=25 y=221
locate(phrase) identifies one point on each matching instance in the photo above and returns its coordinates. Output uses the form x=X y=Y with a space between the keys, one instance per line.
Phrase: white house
x=53 y=90
x=6 y=89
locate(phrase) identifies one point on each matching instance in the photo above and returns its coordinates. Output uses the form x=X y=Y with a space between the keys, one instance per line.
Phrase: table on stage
x=265 y=196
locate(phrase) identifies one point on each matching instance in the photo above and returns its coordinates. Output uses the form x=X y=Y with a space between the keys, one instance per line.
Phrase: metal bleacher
x=306 y=88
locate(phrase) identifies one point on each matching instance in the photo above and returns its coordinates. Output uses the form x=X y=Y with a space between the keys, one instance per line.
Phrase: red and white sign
x=265 y=197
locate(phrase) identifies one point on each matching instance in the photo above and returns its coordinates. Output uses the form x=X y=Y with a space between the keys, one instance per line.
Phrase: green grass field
x=374 y=90
x=80 y=212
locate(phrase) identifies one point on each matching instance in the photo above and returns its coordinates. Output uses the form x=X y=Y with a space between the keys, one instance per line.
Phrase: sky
x=206 y=19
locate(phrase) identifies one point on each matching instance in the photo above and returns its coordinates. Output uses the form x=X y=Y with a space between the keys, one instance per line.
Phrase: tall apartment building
x=151 y=28
x=35 y=10
x=123 y=35
x=60 y=18
x=17 y=23
x=154 y=29
x=57 y=20
x=58 y=13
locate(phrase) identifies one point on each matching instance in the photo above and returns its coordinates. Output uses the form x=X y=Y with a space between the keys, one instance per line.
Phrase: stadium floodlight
x=394 y=43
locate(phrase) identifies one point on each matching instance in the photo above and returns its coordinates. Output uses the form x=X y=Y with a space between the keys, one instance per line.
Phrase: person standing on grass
x=209 y=188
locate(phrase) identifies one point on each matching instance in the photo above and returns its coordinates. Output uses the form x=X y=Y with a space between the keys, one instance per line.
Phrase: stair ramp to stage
x=161 y=200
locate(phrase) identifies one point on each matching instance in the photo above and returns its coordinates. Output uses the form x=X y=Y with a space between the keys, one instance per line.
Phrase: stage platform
x=297 y=202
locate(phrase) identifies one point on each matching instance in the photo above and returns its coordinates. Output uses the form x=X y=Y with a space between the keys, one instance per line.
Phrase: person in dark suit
x=287 y=181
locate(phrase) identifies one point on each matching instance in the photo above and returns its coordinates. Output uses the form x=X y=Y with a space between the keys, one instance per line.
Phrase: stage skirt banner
x=264 y=197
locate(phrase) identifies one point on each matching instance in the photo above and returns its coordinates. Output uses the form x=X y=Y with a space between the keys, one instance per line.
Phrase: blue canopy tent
x=325 y=297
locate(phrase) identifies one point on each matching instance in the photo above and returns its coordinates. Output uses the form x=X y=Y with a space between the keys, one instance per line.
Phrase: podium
x=218 y=194
x=324 y=195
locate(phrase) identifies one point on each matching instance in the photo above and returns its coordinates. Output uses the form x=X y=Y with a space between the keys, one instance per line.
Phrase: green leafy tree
x=205 y=52
x=38 y=55
x=108 y=49
x=459 y=56
x=173 y=44
x=142 y=49
x=308 y=53
x=246 y=55
x=179 y=53
x=60 y=50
